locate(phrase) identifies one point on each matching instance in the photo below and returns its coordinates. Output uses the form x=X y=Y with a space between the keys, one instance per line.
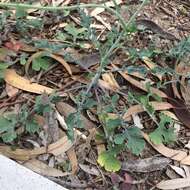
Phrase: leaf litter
x=78 y=114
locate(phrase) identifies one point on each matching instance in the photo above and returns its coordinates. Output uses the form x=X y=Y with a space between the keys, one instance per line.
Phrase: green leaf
x=89 y=103
x=5 y=124
x=119 y=138
x=72 y=30
x=73 y=121
x=163 y=134
x=42 y=104
x=145 y=102
x=112 y=124
x=23 y=59
x=3 y=67
x=40 y=63
x=115 y=99
x=32 y=126
x=9 y=136
x=135 y=141
x=20 y=13
x=109 y=161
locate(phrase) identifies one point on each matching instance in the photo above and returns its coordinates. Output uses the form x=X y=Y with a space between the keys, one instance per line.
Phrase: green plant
x=3 y=67
x=113 y=126
x=10 y=122
x=41 y=63
x=118 y=135
x=165 y=131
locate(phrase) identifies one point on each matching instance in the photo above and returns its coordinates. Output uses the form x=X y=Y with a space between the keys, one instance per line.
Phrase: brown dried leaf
x=140 y=85
x=43 y=169
x=109 y=78
x=151 y=65
x=10 y=90
x=73 y=159
x=47 y=54
x=89 y=169
x=146 y=165
x=59 y=147
x=99 y=10
x=177 y=155
x=174 y=184
x=13 y=79
x=181 y=111
x=138 y=108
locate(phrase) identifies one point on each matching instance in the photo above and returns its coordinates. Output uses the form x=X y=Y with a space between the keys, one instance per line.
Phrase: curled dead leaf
x=73 y=159
x=140 y=85
x=178 y=155
x=59 y=147
x=13 y=79
x=43 y=169
x=47 y=54
x=138 y=108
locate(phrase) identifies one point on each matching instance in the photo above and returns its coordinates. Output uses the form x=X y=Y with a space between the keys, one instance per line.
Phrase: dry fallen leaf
x=43 y=169
x=89 y=169
x=138 y=108
x=178 y=155
x=59 y=147
x=137 y=121
x=10 y=90
x=99 y=10
x=174 y=184
x=179 y=171
x=109 y=78
x=15 y=80
x=73 y=160
x=146 y=165
x=139 y=84
x=47 y=54
x=151 y=65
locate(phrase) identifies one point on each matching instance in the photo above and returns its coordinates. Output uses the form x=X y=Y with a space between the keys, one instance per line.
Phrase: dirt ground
x=161 y=27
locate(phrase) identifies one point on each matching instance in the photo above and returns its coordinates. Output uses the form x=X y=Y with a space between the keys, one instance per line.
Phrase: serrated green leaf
x=40 y=63
x=112 y=124
x=108 y=160
x=5 y=124
x=32 y=126
x=163 y=134
x=9 y=136
x=89 y=103
x=135 y=141
x=72 y=30
x=119 y=138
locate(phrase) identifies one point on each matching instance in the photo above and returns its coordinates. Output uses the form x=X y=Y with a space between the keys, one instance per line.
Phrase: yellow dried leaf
x=13 y=79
